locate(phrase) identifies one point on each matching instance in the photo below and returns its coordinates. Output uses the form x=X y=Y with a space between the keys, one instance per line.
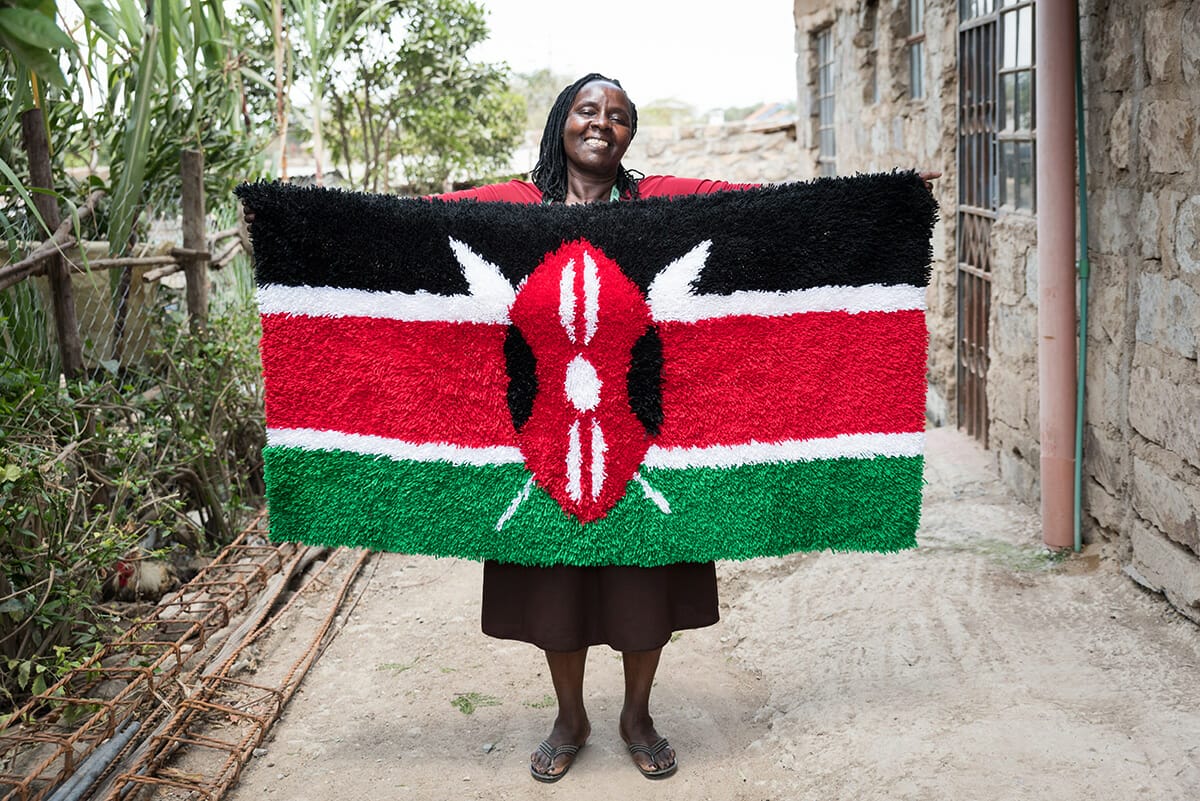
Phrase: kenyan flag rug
x=640 y=383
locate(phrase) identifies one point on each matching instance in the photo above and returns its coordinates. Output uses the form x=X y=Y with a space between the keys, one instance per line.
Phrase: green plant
x=168 y=455
x=467 y=703
x=545 y=702
x=403 y=87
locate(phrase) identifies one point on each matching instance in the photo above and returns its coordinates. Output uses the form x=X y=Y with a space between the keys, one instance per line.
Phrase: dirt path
x=976 y=667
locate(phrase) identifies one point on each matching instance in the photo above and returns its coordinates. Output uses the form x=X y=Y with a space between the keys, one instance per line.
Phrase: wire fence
x=68 y=307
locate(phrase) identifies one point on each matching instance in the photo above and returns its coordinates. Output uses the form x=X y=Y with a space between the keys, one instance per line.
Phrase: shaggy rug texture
x=666 y=380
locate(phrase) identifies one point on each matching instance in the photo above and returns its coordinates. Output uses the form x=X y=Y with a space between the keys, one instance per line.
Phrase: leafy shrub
x=166 y=457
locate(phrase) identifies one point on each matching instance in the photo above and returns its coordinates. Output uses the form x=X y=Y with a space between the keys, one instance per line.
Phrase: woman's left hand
x=929 y=177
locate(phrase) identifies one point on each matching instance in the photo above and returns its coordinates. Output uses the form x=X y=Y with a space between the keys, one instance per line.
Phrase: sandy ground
x=975 y=667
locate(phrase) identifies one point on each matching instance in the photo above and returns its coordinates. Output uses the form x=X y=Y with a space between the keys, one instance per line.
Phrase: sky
x=707 y=55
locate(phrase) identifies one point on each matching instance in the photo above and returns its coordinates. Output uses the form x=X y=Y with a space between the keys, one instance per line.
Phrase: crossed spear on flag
x=742 y=382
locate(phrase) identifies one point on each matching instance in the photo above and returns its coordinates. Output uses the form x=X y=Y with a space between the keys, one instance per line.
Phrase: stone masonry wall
x=729 y=152
x=1141 y=60
x=878 y=127
x=1142 y=446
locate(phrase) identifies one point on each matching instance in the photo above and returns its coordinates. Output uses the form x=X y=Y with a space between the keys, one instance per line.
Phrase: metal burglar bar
x=826 y=145
x=976 y=207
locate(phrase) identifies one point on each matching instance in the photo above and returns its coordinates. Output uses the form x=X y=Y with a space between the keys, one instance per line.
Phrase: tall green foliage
x=30 y=34
x=169 y=454
x=404 y=88
x=147 y=80
x=170 y=449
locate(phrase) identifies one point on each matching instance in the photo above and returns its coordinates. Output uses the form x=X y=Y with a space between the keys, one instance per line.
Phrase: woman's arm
x=511 y=192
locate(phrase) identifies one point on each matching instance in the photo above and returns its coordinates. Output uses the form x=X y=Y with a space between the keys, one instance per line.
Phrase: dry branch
x=162 y=272
x=94 y=265
x=62 y=239
x=226 y=255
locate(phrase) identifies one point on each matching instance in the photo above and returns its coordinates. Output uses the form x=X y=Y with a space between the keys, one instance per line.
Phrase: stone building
x=951 y=85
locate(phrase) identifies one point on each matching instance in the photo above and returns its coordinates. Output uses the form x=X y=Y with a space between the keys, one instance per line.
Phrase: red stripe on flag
x=413 y=381
x=725 y=381
x=733 y=379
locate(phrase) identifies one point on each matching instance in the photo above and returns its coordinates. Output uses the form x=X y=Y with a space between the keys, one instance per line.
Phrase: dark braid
x=550 y=172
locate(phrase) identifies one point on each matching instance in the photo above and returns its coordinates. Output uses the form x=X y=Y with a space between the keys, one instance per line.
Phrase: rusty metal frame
x=977 y=129
x=67 y=722
x=187 y=728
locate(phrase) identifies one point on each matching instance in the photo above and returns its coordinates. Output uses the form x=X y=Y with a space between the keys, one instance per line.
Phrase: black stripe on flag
x=866 y=229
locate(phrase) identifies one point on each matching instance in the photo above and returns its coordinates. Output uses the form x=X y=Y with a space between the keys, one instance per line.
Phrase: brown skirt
x=565 y=608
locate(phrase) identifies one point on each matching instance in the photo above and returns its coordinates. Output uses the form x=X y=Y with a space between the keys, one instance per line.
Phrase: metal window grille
x=826 y=144
x=871 y=23
x=1018 y=122
x=916 y=49
x=977 y=128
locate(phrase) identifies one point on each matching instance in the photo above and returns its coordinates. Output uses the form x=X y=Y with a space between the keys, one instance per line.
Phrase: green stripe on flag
x=441 y=509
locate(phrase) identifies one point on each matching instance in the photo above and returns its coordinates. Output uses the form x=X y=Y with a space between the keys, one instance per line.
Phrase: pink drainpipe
x=1056 y=265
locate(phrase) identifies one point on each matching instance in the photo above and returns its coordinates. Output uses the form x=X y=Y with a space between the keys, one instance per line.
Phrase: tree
x=540 y=89
x=404 y=88
x=149 y=79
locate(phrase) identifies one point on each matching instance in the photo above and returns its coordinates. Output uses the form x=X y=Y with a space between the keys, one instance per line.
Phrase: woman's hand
x=929 y=176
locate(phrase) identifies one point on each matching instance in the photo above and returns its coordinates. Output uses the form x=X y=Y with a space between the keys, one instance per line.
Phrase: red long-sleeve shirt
x=650 y=186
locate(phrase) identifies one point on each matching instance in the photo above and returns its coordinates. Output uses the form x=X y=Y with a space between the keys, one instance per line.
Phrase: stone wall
x=1012 y=379
x=1142 y=447
x=877 y=126
x=1141 y=493
x=730 y=152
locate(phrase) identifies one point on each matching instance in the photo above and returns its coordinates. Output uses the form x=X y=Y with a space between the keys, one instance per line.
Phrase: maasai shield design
x=724 y=376
x=581 y=316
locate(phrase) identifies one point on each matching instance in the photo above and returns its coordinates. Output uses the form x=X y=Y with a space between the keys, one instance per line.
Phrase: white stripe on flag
x=671 y=296
x=489 y=296
x=421 y=307
x=311 y=439
x=843 y=446
x=492 y=307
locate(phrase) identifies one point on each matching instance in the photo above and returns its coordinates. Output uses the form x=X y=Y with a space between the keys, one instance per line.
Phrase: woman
x=563 y=609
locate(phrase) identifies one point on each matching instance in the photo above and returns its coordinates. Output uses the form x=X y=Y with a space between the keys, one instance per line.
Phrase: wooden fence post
x=191 y=165
x=66 y=325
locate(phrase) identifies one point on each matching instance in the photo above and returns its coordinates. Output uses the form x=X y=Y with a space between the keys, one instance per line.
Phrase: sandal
x=653 y=752
x=552 y=754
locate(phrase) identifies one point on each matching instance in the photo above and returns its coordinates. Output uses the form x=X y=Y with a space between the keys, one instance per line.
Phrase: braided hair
x=550 y=172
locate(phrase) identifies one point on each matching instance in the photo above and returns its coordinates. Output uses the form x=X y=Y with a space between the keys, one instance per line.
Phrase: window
x=1018 y=123
x=969 y=9
x=826 y=147
x=916 y=49
x=870 y=26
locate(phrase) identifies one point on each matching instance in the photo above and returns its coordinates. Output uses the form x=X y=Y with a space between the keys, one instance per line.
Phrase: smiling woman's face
x=598 y=130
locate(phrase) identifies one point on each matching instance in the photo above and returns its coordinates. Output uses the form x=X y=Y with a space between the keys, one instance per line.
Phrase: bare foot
x=565 y=732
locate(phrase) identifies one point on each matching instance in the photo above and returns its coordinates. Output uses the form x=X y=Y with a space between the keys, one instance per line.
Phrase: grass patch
x=395 y=667
x=469 y=702
x=1018 y=558
x=546 y=702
